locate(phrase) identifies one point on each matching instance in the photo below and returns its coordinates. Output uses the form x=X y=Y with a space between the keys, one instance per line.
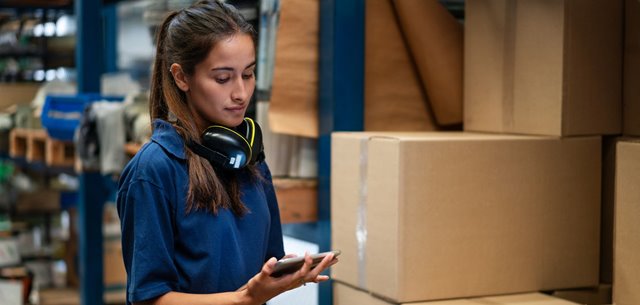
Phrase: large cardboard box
x=115 y=275
x=609 y=144
x=347 y=295
x=16 y=94
x=587 y=296
x=631 y=92
x=626 y=273
x=436 y=215
x=550 y=67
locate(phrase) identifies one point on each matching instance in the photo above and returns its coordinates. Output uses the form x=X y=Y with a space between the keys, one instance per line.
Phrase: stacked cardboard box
x=631 y=90
x=426 y=216
x=543 y=67
x=626 y=275
x=512 y=204
x=347 y=295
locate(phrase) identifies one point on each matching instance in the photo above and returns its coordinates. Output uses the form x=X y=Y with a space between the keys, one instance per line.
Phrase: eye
x=247 y=75
x=222 y=80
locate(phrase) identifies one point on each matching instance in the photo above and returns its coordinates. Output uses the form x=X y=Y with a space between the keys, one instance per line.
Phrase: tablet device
x=292 y=264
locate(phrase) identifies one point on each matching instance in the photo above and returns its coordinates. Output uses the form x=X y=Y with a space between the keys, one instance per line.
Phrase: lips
x=236 y=108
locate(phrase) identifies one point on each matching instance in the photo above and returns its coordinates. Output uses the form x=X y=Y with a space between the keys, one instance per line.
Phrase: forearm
x=239 y=297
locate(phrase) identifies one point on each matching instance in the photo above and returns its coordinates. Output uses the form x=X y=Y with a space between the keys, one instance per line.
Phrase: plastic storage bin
x=61 y=113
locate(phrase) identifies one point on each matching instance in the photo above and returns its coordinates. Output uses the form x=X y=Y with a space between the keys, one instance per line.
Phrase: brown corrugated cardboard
x=543 y=67
x=347 y=295
x=348 y=156
x=17 y=94
x=434 y=38
x=587 y=296
x=294 y=97
x=606 y=220
x=626 y=274
x=438 y=215
x=393 y=95
x=115 y=275
x=631 y=92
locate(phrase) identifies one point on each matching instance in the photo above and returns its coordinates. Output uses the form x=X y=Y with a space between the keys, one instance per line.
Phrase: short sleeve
x=147 y=240
x=275 y=246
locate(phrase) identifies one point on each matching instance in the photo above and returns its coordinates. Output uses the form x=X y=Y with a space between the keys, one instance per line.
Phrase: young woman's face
x=222 y=85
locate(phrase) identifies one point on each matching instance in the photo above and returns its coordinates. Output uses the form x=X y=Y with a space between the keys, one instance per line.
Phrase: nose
x=240 y=91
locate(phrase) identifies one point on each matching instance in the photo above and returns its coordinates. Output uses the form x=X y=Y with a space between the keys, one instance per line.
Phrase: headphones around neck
x=231 y=149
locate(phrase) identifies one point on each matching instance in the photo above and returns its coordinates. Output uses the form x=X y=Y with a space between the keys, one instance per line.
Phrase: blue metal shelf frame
x=341 y=99
x=96 y=51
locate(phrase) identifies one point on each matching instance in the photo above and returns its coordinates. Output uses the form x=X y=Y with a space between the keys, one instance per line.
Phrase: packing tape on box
x=361 y=223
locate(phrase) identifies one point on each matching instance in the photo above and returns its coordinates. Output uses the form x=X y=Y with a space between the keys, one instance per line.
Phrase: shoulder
x=153 y=164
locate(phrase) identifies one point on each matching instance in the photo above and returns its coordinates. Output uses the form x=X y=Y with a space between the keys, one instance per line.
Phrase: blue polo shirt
x=167 y=249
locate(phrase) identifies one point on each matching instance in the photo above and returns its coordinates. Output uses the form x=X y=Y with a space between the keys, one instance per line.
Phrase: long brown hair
x=186 y=37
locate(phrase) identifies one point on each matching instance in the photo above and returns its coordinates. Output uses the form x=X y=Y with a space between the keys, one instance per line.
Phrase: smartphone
x=292 y=264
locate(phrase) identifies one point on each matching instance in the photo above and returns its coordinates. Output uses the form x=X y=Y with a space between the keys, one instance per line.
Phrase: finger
x=324 y=264
x=306 y=267
x=333 y=261
x=268 y=267
x=321 y=278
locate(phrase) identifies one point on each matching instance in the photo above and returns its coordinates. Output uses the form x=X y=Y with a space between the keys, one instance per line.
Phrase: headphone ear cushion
x=257 y=149
x=228 y=143
x=251 y=131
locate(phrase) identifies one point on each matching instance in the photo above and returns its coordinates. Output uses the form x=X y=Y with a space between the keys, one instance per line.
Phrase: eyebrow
x=231 y=69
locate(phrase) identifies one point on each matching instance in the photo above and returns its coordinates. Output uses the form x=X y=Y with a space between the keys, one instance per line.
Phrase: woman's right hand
x=263 y=287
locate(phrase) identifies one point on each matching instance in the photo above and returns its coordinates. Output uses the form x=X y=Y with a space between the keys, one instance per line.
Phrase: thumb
x=268 y=267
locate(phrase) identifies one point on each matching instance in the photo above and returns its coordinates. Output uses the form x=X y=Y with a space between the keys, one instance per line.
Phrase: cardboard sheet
x=394 y=97
x=294 y=95
x=434 y=38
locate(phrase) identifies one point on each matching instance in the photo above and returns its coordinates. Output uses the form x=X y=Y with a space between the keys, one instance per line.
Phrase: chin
x=231 y=122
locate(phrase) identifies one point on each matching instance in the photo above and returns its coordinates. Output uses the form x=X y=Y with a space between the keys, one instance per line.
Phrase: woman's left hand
x=262 y=287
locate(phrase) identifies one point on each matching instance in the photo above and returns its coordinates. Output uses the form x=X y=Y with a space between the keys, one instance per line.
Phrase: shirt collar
x=168 y=138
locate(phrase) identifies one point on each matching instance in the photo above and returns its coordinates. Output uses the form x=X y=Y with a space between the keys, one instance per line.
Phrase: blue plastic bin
x=61 y=113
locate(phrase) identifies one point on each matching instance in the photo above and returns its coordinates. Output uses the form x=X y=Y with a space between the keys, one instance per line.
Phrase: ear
x=179 y=76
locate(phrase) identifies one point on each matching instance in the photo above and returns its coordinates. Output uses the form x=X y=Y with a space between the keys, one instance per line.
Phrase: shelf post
x=341 y=99
x=89 y=66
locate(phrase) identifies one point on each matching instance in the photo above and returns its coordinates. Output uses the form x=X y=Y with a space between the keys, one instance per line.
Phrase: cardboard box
x=606 y=212
x=438 y=215
x=115 y=275
x=626 y=274
x=631 y=91
x=17 y=94
x=347 y=295
x=587 y=296
x=543 y=67
x=297 y=199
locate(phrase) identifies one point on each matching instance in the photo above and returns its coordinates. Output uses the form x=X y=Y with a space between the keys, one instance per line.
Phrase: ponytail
x=158 y=108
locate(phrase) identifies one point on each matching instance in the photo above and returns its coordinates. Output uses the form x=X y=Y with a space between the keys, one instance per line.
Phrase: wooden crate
x=60 y=153
x=27 y=143
x=18 y=142
x=297 y=199
x=35 y=145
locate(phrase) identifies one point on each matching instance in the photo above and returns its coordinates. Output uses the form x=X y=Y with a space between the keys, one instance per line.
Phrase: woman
x=193 y=230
